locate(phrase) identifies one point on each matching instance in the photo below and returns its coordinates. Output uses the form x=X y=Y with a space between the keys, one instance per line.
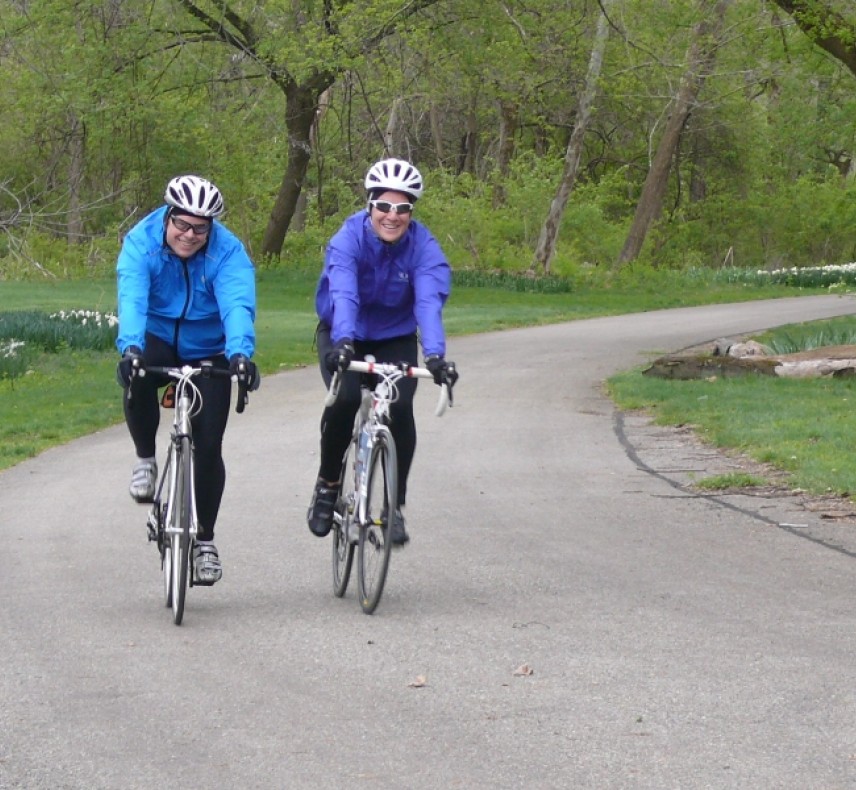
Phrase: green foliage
x=75 y=329
x=817 y=334
x=15 y=358
x=25 y=334
x=834 y=278
x=103 y=104
x=474 y=278
x=38 y=255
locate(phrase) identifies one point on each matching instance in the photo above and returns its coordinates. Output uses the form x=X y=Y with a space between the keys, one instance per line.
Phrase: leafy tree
x=546 y=246
x=826 y=24
x=700 y=59
x=302 y=49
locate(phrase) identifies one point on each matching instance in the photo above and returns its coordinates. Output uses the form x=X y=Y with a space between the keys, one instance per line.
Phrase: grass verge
x=803 y=427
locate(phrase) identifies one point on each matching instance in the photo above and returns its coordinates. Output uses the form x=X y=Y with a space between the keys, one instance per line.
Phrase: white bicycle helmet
x=395 y=175
x=194 y=195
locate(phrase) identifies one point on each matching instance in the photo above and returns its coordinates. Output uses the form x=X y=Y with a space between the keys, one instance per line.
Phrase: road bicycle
x=368 y=485
x=172 y=520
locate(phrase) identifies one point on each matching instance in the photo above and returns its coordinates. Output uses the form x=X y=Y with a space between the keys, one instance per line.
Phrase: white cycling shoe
x=207 y=569
x=143 y=481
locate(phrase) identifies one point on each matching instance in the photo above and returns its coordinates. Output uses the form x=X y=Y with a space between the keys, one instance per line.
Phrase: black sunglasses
x=384 y=206
x=198 y=230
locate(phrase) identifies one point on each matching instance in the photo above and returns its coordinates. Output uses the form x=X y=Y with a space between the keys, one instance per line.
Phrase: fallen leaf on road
x=524 y=670
x=418 y=682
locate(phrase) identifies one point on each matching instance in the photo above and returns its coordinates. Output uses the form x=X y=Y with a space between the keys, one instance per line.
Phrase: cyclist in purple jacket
x=385 y=279
x=186 y=290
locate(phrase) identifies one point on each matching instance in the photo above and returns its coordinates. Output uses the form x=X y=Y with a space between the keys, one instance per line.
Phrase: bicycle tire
x=343 y=514
x=180 y=538
x=374 y=547
x=166 y=566
x=164 y=542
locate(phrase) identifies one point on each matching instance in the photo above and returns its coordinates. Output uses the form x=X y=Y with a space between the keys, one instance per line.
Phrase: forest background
x=578 y=138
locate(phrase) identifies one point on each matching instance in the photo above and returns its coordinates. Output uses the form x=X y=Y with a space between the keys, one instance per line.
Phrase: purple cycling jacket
x=370 y=290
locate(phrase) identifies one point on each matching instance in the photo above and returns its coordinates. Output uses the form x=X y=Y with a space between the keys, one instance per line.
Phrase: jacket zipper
x=184 y=309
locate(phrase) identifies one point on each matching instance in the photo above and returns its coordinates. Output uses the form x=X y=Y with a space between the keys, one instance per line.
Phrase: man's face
x=185 y=234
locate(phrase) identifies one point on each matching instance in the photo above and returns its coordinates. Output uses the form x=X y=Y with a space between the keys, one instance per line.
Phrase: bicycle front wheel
x=164 y=541
x=180 y=534
x=344 y=521
x=166 y=565
x=374 y=546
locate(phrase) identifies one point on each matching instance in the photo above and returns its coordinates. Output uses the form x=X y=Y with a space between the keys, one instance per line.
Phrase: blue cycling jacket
x=370 y=290
x=202 y=306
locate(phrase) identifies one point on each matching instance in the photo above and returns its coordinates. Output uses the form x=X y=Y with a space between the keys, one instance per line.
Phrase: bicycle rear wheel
x=374 y=546
x=343 y=515
x=180 y=537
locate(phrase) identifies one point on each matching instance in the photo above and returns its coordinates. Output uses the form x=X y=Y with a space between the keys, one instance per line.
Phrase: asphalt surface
x=566 y=615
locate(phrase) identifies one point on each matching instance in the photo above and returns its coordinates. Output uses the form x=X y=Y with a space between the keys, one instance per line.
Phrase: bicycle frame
x=373 y=414
x=188 y=402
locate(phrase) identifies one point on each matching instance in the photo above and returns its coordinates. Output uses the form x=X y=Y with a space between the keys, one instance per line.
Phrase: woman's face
x=390 y=225
x=185 y=234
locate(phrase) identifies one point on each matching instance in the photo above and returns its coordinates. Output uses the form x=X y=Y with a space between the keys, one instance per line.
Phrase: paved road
x=675 y=641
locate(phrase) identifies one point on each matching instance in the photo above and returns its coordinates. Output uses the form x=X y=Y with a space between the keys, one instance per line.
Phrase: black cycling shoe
x=397 y=533
x=319 y=517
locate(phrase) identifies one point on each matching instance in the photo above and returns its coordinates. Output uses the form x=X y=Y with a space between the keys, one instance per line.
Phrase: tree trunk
x=301 y=103
x=76 y=143
x=437 y=134
x=546 y=248
x=391 y=127
x=508 y=115
x=468 y=144
x=700 y=58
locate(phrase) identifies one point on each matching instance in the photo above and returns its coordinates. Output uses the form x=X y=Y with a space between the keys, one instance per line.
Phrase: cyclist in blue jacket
x=385 y=279
x=186 y=292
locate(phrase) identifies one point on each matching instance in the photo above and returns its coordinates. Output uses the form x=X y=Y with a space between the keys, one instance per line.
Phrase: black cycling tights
x=337 y=421
x=143 y=417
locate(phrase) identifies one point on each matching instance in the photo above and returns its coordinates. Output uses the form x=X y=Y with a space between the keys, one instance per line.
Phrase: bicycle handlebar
x=205 y=369
x=386 y=369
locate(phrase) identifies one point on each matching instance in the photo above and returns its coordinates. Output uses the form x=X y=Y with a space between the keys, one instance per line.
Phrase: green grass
x=803 y=427
x=72 y=393
x=68 y=395
x=729 y=481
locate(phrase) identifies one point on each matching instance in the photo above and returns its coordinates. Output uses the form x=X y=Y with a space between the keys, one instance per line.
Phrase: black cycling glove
x=246 y=371
x=444 y=372
x=130 y=366
x=340 y=356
